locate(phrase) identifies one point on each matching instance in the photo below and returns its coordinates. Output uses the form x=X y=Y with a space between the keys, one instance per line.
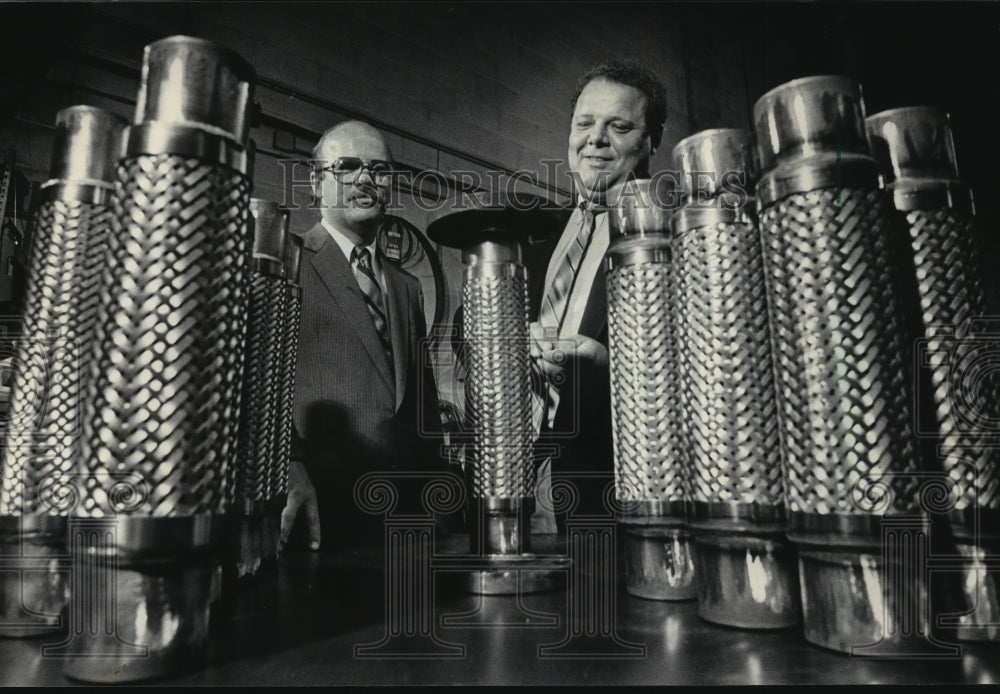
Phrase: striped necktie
x=556 y=301
x=362 y=260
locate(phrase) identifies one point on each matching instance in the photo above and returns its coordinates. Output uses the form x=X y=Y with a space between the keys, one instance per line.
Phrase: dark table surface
x=299 y=621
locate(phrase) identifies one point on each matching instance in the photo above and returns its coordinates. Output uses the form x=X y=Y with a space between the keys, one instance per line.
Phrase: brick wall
x=470 y=88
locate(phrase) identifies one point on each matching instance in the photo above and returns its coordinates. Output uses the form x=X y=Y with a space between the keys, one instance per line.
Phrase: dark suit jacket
x=352 y=413
x=582 y=426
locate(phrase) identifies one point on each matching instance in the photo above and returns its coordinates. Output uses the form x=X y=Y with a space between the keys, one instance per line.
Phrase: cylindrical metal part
x=86 y=150
x=811 y=116
x=500 y=469
x=917 y=153
x=262 y=382
x=650 y=474
x=291 y=313
x=189 y=81
x=34 y=585
x=164 y=403
x=498 y=395
x=42 y=452
x=840 y=335
x=913 y=143
x=728 y=402
x=713 y=162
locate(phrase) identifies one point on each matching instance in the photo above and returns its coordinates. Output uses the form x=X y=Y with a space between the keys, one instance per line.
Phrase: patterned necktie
x=362 y=260
x=556 y=301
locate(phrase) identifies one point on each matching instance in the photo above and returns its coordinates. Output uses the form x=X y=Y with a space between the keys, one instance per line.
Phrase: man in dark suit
x=365 y=399
x=617 y=123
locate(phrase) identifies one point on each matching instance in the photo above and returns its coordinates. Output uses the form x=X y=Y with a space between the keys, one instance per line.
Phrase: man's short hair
x=633 y=74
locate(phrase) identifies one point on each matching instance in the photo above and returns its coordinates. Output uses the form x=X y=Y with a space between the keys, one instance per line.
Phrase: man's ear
x=655 y=139
x=314 y=179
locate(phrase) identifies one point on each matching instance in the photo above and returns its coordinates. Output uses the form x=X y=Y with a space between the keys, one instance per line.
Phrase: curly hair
x=633 y=74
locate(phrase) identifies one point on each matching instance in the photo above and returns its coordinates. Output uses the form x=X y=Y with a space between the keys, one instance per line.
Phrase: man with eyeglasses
x=361 y=402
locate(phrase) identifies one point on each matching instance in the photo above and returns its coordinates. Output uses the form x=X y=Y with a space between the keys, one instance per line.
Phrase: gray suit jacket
x=352 y=413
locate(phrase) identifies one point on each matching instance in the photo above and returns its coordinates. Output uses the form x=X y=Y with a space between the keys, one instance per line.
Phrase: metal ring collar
x=635 y=250
x=654 y=512
x=88 y=192
x=817 y=172
x=697 y=216
x=185 y=140
x=271 y=267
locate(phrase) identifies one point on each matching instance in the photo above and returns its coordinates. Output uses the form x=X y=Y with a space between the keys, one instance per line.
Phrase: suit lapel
x=399 y=324
x=336 y=274
x=595 y=314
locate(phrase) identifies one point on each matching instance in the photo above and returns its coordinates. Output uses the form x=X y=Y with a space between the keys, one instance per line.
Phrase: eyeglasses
x=349 y=168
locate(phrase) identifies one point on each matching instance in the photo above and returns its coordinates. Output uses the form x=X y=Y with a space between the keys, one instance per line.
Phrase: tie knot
x=361 y=256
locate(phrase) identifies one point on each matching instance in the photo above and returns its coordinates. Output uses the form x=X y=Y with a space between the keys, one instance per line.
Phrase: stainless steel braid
x=966 y=398
x=290 y=301
x=725 y=369
x=68 y=251
x=498 y=385
x=165 y=399
x=645 y=403
x=261 y=385
x=843 y=374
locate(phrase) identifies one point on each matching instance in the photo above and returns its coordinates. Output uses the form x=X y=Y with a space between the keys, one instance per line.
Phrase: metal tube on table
x=839 y=314
x=500 y=467
x=262 y=382
x=291 y=313
x=746 y=568
x=42 y=451
x=162 y=418
x=915 y=147
x=650 y=475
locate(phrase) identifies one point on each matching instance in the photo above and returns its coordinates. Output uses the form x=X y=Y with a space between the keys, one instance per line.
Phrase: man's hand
x=300 y=493
x=553 y=356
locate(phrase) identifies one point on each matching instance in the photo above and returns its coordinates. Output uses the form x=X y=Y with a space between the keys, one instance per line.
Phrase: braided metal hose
x=746 y=567
x=164 y=401
x=292 y=301
x=840 y=336
x=260 y=394
x=965 y=392
x=644 y=393
x=288 y=337
x=167 y=388
x=42 y=453
x=915 y=147
x=650 y=463
x=498 y=393
x=725 y=358
x=261 y=382
x=847 y=382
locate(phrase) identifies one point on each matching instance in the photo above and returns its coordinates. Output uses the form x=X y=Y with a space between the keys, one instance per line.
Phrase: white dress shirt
x=347 y=246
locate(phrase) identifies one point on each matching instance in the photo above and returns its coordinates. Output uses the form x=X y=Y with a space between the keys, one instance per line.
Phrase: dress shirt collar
x=347 y=246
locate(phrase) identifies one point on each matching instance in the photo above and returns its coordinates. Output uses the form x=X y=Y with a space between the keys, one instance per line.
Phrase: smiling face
x=608 y=138
x=356 y=204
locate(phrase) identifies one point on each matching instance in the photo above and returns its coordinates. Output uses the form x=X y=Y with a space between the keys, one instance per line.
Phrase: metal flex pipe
x=842 y=339
x=650 y=472
x=747 y=569
x=916 y=150
x=162 y=418
x=42 y=451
